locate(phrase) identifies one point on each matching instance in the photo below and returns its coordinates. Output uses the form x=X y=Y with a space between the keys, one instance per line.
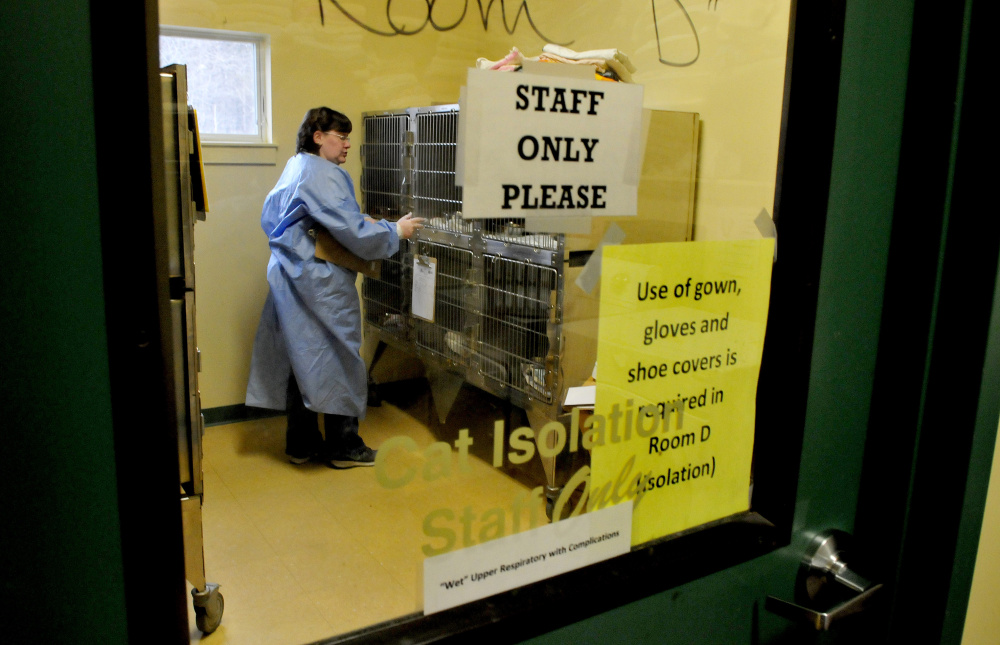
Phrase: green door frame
x=92 y=548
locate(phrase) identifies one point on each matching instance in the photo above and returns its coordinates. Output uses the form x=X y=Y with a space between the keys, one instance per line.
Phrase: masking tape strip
x=590 y=276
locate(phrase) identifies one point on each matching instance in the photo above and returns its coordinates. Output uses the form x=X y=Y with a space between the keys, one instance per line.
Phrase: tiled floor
x=307 y=552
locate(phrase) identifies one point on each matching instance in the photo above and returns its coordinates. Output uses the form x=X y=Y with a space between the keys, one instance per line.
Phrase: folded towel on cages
x=601 y=69
x=602 y=60
x=616 y=55
x=615 y=59
x=510 y=62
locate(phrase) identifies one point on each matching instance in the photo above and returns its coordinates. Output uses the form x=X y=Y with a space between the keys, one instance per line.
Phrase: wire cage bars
x=498 y=289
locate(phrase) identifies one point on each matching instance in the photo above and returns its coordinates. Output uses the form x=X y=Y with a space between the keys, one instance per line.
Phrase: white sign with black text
x=455 y=578
x=538 y=145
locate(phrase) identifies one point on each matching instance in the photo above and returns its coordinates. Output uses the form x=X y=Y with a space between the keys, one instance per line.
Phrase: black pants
x=303 y=438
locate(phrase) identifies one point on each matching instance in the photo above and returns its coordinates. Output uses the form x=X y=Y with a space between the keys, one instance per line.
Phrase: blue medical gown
x=311 y=323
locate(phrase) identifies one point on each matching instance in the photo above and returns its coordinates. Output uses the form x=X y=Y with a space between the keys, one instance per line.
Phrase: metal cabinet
x=185 y=204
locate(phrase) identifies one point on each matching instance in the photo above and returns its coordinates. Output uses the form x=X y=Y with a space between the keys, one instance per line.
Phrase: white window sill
x=239 y=154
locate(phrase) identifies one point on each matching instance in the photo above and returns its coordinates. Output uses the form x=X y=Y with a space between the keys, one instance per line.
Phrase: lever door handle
x=822 y=566
x=821 y=620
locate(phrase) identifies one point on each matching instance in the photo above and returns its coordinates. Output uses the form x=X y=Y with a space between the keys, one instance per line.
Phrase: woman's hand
x=407 y=225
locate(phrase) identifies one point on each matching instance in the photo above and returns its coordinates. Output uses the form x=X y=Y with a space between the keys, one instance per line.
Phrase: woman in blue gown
x=306 y=354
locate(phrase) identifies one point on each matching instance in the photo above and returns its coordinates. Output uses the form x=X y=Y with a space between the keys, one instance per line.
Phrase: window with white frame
x=228 y=76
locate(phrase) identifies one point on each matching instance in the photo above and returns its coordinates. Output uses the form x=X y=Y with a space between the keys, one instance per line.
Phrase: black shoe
x=359 y=456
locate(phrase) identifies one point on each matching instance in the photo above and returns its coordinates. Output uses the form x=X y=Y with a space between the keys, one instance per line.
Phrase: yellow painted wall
x=982 y=622
x=735 y=85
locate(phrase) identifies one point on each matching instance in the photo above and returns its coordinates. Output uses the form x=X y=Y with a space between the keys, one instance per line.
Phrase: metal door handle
x=824 y=563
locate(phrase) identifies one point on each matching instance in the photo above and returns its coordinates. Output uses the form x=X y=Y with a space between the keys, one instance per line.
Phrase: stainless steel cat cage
x=498 y=290
x=508 y=317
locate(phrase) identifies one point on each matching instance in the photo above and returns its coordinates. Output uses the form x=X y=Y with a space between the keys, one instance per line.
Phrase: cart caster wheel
x=208 y=607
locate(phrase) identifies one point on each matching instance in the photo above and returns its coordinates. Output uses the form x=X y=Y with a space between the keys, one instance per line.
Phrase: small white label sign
x=455 y=578
x=424 y=280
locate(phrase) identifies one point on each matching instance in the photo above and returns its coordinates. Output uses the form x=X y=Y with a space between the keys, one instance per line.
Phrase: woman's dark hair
x=323 y=119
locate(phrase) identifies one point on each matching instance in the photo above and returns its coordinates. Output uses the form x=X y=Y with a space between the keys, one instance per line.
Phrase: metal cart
x=185 y=199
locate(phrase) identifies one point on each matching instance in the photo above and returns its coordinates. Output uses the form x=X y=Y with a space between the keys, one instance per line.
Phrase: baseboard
x=236 y=413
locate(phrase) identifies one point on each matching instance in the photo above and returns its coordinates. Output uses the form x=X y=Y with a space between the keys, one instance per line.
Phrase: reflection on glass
x=334 y=551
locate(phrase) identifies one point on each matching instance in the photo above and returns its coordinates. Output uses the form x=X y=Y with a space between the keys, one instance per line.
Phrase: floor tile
x=305 y=552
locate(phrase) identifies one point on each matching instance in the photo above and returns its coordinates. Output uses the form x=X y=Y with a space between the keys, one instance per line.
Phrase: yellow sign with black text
x=679 y=348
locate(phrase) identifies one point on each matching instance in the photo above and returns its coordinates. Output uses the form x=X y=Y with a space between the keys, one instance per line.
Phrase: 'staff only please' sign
x=534 y=145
